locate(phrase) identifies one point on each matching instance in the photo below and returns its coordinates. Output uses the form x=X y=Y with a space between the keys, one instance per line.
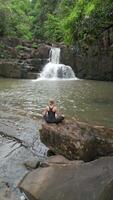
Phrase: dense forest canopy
x=64 y=21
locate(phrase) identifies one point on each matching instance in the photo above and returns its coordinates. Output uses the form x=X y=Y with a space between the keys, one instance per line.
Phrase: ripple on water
x=81 y=99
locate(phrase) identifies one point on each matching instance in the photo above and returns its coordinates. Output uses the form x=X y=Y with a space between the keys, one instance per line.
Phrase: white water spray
x=54 y=70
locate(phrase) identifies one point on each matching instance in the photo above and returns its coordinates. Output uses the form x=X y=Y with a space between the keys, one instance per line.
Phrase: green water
x=89 y=101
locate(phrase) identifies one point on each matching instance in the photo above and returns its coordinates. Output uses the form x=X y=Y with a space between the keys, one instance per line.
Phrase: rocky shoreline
x=59 y=178
x=27 y=171
x=19 y=144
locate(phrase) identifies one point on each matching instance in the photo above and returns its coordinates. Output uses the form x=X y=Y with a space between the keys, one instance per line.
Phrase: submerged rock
x=83 y=181
x=78 y=141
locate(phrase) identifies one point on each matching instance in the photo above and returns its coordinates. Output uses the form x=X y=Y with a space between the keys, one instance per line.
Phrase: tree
x=20 y=23
x=4 y=17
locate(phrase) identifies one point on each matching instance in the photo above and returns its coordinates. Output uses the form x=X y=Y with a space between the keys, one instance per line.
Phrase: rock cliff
x=89 y=60
x=22 y=59
x=93 y=59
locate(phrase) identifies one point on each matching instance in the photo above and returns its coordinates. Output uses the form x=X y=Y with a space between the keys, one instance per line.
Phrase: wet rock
x=78 y=141
x=19 y=142
x=37 y=63
x=6 y=193
x=67 y=57
x=31 y=75
x=32 y=164
x=85 y=181
x=59 y=160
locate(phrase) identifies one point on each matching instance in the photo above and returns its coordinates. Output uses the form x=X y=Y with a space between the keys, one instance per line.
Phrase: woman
x=50 y=113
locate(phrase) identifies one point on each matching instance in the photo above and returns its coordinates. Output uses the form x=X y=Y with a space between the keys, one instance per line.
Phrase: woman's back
x=50 y=113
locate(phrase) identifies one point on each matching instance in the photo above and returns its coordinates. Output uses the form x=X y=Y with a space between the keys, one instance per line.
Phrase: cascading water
x=54 y=70
x=54 y=55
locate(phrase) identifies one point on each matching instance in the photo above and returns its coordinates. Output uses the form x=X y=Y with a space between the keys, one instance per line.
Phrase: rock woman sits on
x=50 y=113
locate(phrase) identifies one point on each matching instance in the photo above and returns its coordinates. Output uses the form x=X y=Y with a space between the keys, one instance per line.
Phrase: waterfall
x=54 y=55
x=54 y=70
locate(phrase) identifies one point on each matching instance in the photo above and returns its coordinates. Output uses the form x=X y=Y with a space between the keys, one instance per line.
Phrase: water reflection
x=90 y=101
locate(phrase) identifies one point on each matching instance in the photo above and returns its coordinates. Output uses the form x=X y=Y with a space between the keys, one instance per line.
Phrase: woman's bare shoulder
x=55 y=108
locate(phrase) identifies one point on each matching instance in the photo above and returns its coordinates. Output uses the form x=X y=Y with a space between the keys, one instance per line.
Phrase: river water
x=89 y=101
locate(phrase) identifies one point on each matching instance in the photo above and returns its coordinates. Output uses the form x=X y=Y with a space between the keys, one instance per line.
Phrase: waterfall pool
x=89 y=101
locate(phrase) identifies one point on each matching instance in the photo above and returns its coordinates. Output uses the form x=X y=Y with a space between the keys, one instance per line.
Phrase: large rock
x=77 y=140
x=86 y=181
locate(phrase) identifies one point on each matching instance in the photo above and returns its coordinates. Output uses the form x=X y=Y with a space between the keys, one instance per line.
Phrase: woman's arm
x=56 y=111
x=45 y=111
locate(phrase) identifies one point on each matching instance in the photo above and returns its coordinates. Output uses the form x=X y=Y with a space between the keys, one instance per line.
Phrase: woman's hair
x=51 y=101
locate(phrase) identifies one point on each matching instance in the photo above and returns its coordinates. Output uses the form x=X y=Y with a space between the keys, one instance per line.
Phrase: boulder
x=77 y=140
x=32 y=164
x=86 y=181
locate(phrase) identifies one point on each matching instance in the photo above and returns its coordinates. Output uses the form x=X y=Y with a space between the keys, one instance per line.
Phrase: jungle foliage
x=65 y=21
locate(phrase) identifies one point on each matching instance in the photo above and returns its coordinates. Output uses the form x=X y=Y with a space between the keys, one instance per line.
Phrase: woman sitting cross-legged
x=50 y=113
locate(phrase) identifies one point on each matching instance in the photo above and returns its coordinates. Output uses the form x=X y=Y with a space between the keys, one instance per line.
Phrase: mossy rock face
x=10 y=69
x=18 y=57
x=89 y=62
x=6 y=51
x=107 y=193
